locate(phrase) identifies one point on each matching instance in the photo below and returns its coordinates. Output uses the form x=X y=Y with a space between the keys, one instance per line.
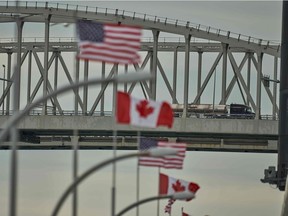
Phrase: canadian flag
x=169 y=185
x=141 y=112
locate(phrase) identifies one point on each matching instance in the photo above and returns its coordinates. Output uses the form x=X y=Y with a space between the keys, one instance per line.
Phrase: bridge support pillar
x=85 y=88
x=200 y=54
x=46 y=56
x=186 y=74
x=154 y=63
x=10 y=83
x=259 y=76
x=174 y=101
x=102 y=87
x=224 y=73
x=249 y=76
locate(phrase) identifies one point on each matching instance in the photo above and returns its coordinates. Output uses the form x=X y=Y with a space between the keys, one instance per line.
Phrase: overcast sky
x=230 y=182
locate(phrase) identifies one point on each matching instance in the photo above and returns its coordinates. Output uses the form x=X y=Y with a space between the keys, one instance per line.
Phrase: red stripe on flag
x=166 y=115
x=123 y=107
x=163 y=184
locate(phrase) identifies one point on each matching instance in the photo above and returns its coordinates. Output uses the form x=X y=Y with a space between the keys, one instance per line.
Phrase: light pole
x=178 y=195
x=284 y=210
x=4 y=67
x=156 y=152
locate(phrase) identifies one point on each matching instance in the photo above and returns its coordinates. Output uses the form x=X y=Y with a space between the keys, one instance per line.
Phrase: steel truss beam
x=57 y=56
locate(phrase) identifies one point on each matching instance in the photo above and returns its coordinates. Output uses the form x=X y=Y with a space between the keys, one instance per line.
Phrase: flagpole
x=138 y=174
x=158 y=201
x=113 y=192
x=75 y=143
x=75 y=140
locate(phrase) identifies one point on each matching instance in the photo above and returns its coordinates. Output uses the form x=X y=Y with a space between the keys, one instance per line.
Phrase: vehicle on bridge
x=239 y=111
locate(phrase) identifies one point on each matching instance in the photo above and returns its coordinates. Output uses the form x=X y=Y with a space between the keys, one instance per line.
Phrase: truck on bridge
x=239 y=111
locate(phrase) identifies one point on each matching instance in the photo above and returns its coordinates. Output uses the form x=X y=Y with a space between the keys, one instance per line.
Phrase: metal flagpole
x=13 y=130
x=138 y=174
x=283 y=105
x=75 y=140
x=75 y=143
x=158 y=201
x=113 y=192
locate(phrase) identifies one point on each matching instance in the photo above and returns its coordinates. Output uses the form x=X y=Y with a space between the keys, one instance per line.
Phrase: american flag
x=113 y=43
x=168 y=162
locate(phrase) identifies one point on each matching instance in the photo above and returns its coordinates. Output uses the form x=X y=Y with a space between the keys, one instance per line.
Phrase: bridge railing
x=52 y=112
x=71 y=113
x=74 y=40
x=225 y=116
x=117 y=12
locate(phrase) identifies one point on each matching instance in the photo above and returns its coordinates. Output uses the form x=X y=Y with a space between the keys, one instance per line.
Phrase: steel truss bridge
x=186 y=63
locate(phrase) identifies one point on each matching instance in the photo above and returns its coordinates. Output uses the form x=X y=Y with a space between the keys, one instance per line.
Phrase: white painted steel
x=159 y=152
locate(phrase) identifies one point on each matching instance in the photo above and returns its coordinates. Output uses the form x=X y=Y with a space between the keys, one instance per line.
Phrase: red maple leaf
x=178 y=187
x=144 y=109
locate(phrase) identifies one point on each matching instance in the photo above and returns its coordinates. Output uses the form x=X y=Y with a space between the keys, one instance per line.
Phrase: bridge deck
x=55 y=132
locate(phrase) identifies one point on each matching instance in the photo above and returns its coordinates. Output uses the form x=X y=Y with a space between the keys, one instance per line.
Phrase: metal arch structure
x=225 y=45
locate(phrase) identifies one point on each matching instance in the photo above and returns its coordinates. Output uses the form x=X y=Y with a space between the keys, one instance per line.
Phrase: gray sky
x=230 y=182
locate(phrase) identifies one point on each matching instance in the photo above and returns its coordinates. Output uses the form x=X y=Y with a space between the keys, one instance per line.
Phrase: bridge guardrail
x=71 y=112
x=52 y=112
x=225 y=116
x=74 y=40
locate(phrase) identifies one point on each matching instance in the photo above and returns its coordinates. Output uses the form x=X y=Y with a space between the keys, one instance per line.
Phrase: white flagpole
x=138 y=174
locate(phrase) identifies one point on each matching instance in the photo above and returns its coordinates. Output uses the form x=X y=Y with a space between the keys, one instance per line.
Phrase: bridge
x=191 y=63
x=236 y=55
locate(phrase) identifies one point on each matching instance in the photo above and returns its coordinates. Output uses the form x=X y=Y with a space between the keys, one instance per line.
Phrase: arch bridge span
x=187 y=70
